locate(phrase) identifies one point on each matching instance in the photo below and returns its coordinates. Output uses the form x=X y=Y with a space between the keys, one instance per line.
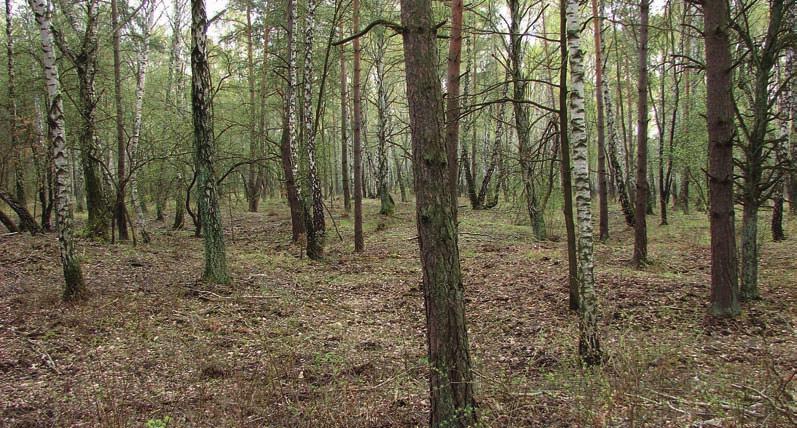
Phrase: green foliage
x=159 y=422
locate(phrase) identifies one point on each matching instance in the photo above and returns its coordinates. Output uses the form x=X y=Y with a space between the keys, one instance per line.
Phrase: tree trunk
x=252 y=185
x=204 y=149
x=120 y=217
x=8 y=223
x=603 y=194
x=19 y=182
x=359 y=243
x=792 y=115
x=642 y=189
x=452 y=97
x=344 y=123
x=589 y=343
x=26 y=221
x=719 y=115
x=74 y=287
x=85 y=62
x=522 y=127
x=565 y=168
x=451 y=388
x=316 y=233
x=143 y=61
x=44 y=167
x=387 y=206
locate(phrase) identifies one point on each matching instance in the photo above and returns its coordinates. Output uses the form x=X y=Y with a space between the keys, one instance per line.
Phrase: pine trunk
x=451 y=387
x=719 y=103
x=359 y=243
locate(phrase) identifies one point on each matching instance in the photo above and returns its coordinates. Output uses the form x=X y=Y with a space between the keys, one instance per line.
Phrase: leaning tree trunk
x=143 y=58
x=451 y=382
x=26 y=220
x=640 y=256
x=317 y=232
x=8 y=223
x=74 y=287
x=719 y=115
x=589 y=344
x=204 y=149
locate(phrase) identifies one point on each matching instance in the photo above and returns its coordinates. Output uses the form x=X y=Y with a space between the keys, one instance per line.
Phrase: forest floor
x=340 y=343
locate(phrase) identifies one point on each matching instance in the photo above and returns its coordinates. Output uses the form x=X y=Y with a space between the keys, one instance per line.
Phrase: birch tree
x=74 y=287
x=141 y=74
x=316 y=229
x=589 y=344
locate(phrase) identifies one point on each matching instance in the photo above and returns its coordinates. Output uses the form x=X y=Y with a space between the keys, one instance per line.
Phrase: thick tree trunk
x=451 y=388
x=204 y=149
x=640 y=256
x=719 y=103
x=589 y=343
x=359 y=242
x=74 y=287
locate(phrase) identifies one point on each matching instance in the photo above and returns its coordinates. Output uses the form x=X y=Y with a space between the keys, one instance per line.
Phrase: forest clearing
x=340 y=343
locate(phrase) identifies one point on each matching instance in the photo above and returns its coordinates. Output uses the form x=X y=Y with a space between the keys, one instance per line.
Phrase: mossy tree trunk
x=204 y=149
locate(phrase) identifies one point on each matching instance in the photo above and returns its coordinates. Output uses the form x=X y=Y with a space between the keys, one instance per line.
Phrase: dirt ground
x=340 y=343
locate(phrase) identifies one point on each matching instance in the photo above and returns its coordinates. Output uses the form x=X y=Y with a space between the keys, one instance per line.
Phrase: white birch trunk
x=143 y=60
x=74 y=287
x=589 y=347
x=315 y=241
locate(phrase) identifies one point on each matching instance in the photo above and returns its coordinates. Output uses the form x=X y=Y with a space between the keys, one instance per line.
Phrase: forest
x=374 y=213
